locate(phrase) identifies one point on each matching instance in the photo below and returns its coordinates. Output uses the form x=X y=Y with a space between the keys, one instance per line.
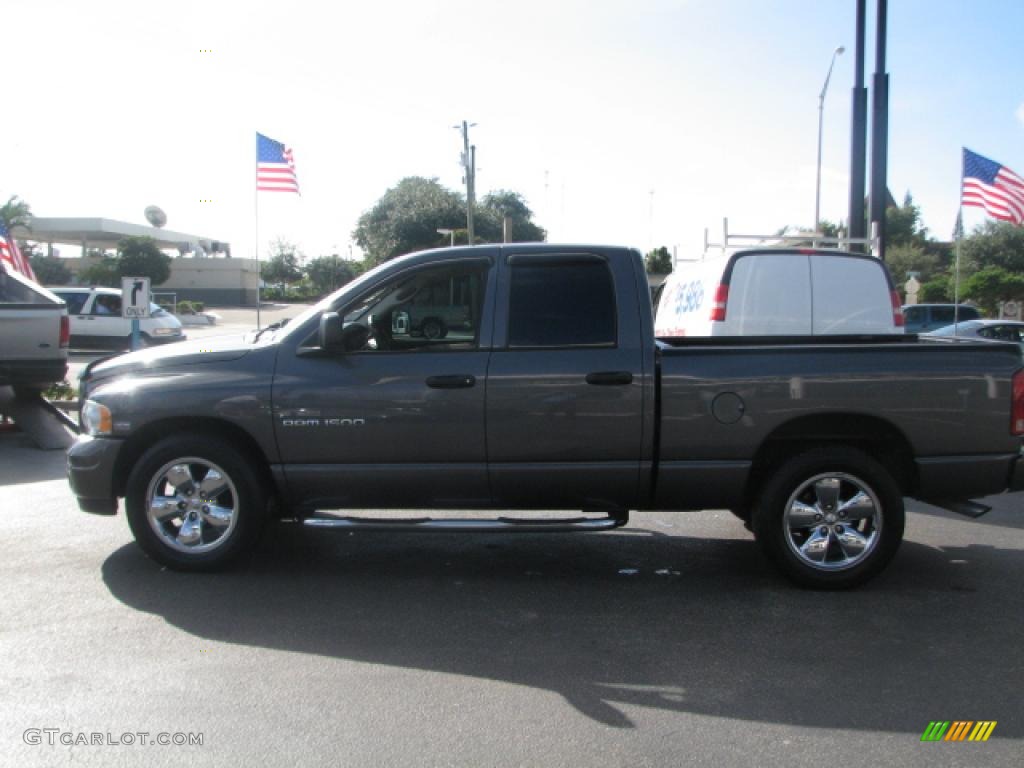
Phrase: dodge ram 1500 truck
x=554 y=395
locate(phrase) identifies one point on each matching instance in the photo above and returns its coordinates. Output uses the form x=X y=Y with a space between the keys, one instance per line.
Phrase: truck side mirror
x=337 y=337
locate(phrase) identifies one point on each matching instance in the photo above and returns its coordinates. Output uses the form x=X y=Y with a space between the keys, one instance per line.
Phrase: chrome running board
x=472 y=525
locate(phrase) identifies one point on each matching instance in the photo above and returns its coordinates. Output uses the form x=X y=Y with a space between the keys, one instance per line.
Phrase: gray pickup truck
x=34 y=334
x=555 y=395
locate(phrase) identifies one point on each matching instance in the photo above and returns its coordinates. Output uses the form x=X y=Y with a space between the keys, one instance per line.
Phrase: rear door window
x=769 y=295
x=851 y=295
x=1001 y=332
x=568 y=303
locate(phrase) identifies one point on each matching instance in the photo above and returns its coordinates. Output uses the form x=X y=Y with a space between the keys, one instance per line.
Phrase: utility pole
x=469 y=169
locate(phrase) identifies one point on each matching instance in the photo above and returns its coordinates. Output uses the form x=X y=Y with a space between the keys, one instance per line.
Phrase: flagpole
x=956 y=278
x=256 y=209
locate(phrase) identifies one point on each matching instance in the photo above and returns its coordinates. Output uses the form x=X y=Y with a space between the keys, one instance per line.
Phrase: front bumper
x=91 y=465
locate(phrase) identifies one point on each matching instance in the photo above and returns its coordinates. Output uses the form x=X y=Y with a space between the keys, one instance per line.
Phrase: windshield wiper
x=271 y=327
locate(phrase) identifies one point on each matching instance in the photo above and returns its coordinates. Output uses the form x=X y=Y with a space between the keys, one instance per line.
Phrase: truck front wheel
x=434 y=328
x=831 y=518
x=195 y=503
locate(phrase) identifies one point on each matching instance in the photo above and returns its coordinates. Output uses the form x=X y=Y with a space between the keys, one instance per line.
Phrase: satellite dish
x=155 y=216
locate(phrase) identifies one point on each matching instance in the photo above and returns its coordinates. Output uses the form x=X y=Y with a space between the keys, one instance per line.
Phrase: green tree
x=658 y=261
x=50 y=270
x=993 y=244
x=992 y=285
x=407 y=218
x=103 y=272
x=908 y=257
x=15 y=213
x=903 y=225
x=282 y=268
x=141 y=257
x=326 y=273
x=938 y=290
x=489 y=219
x=829 y=228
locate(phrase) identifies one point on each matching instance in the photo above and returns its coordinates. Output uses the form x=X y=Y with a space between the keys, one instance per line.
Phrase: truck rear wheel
x=831 y=518
x=195 y=503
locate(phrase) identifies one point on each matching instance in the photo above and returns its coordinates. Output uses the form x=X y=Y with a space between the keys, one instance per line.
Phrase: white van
x=96 y=321
x=779 y=292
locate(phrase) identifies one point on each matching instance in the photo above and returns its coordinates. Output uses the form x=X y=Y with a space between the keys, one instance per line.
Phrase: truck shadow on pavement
x=628 y=619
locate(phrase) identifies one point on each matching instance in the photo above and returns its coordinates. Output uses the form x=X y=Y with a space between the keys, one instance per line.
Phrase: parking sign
x=135 y=297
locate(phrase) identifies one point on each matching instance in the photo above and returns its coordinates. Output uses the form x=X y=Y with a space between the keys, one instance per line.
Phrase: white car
x=779 y=292
x=96 y=321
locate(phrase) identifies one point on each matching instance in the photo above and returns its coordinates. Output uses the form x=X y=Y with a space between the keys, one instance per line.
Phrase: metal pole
x=880 y=132
x=470 y=198
x=858 y=135
x=650 y=224
x=256 y=216
x=821 y=120
x=469 y=167
x=956 y=277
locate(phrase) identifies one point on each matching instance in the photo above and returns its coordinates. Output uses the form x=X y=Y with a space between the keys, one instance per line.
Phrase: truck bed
x=746 y=396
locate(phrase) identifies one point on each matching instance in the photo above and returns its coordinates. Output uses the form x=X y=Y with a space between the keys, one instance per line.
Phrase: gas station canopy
x=105 y=234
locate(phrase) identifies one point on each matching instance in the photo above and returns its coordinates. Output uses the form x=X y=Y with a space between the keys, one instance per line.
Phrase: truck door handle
x=610 y=378
x=458 y=381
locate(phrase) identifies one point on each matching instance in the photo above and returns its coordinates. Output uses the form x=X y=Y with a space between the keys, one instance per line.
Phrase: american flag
x=275 y=166
x=11 y=254
x=994 y=187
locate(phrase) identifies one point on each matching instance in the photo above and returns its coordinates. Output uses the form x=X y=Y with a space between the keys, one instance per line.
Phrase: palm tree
x=15 y=213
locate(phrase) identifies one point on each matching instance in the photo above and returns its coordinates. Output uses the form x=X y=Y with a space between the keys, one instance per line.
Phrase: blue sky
x=638 y=123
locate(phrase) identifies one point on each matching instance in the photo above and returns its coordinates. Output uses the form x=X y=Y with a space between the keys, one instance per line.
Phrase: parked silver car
x=997 y=330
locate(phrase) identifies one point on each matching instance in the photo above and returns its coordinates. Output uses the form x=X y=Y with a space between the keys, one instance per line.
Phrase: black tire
x=433 y=328
x=226 y=510
x=830 y=518
x=743 y=514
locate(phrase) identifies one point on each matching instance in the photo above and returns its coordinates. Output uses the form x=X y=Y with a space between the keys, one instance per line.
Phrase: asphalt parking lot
x=670 y=642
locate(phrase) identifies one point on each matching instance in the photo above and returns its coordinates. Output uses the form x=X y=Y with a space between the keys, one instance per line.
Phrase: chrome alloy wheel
x=833 y=521
x=192 y=505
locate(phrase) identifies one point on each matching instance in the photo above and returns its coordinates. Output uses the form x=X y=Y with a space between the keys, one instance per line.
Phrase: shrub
x=60 y=391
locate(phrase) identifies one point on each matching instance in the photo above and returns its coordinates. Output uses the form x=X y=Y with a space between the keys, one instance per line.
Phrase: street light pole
x=821 y=120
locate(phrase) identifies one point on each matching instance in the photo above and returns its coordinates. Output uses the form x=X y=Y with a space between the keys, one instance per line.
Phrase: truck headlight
x=96 y=419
